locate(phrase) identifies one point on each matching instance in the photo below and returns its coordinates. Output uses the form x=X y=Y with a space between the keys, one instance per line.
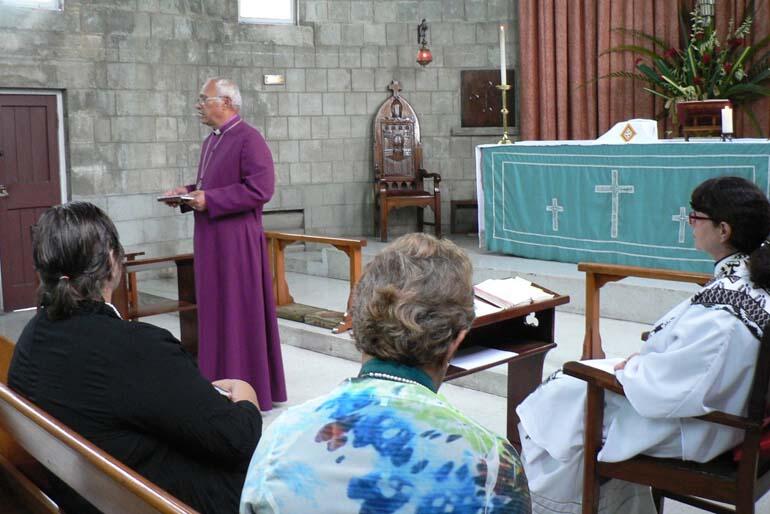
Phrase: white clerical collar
x=115 y=309
x=218 y=131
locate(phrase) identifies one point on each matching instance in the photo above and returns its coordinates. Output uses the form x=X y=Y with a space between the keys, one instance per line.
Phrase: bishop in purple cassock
x=237 y=325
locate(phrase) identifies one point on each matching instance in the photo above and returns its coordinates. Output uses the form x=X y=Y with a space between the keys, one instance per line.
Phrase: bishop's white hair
x=228 y=88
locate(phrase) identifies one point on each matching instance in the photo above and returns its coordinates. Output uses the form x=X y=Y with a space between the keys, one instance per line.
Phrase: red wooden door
x=29 y=183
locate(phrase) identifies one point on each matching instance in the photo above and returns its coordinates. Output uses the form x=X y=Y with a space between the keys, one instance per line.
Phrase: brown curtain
x=560 y=46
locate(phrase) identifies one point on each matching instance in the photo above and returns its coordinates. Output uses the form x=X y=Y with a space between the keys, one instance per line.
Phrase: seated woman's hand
x=238 y=389
x=622 y=364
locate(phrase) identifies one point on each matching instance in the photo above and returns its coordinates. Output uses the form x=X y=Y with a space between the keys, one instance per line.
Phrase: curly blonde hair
x=413 y=300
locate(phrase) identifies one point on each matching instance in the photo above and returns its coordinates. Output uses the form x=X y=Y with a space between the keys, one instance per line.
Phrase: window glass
x=53 y=5
x=261 y=11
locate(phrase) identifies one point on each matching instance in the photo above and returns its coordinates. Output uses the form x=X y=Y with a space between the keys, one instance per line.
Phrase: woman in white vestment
x=699 y=357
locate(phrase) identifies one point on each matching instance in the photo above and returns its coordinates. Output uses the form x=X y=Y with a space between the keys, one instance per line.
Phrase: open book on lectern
x=509 y=292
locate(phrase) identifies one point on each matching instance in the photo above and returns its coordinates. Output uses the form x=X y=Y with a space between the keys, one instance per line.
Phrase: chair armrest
x=618 y=270
x=593 y=376
x=427 y=174
x=608 y=381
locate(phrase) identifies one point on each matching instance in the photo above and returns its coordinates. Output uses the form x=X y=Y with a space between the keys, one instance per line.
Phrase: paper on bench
x=509 y=292
x=478 y=356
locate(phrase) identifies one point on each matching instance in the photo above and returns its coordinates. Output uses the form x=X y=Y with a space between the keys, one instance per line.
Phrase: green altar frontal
x=619 y=204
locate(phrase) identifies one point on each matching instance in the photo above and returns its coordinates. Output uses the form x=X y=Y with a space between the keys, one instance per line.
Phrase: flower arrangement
x=702 y=67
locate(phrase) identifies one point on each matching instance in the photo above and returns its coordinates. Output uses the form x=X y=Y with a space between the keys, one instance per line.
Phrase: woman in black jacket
x=128 y=387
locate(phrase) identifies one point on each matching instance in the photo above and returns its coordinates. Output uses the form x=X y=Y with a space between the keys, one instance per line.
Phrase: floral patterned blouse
x=375 y=446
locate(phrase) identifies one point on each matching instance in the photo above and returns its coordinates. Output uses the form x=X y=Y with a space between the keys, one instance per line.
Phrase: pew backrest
x=6 y=353
x=108 y=484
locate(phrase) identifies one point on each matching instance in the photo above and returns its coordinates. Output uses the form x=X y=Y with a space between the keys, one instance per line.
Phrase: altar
x=573 y=201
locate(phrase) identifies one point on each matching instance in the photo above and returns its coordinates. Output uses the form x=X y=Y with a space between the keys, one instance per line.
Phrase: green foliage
x=701 y=67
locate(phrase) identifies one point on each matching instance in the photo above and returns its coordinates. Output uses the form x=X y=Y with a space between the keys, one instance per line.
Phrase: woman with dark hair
x=385 y=442
x=699 y=357
x=128 y=387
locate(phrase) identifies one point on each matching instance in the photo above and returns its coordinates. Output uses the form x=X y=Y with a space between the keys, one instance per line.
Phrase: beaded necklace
x=396 y=372
x=386 y=376
x=208 y=155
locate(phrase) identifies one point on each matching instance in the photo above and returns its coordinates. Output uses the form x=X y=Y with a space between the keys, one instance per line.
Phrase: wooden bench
x=126 y=296
x=597 y=275
x=454 y=205
x=278 y=241
x=30 y=439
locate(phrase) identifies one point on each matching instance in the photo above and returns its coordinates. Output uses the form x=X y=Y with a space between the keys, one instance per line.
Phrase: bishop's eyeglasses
x=202 y=99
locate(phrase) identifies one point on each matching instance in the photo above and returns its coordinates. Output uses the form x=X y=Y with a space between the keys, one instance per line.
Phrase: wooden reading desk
x=507 y=330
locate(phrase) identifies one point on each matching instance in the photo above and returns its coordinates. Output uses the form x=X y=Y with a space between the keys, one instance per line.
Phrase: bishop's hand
x=174 y=192
x=198 y=201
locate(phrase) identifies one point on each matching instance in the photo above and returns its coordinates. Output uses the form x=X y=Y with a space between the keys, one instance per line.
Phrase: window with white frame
x=51 y=5
x=261 y=11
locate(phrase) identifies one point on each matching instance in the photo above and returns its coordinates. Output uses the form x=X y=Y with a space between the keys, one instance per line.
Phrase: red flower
x=698 y=81
x=728 y=67
x=706 y=59
x=740 y=41
x=717 y=50
x=670 y=53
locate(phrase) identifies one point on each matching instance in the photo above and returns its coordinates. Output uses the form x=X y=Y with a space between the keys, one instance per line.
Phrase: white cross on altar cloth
x=682 y=219
x=615 y=188
x=554 y=209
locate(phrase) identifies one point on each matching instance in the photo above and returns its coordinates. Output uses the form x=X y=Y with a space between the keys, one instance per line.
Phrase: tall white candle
x=502 y=56
x=727 y=120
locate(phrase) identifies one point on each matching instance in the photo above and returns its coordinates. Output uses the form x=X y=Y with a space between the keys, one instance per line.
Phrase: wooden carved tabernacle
x=481 y=101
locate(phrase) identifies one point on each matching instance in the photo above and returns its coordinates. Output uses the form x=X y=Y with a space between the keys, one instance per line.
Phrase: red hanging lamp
x=424 y=57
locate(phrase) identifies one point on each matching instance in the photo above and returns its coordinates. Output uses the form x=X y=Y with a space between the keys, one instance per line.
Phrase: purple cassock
x=237 y=325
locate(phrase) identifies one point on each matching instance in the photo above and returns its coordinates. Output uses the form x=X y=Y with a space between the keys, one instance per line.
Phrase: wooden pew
x=597 y=275
x=278 y=241
x=126 y=295
x=106 y=483
x=16 y=465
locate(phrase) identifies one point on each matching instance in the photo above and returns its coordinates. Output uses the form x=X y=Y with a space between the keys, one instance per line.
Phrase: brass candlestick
x=504 y=88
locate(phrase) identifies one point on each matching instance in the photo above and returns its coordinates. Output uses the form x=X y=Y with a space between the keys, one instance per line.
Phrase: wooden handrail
x=597 y=275
x=278 y=241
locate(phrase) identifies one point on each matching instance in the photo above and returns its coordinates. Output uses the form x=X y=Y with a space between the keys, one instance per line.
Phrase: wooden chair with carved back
x=736 y=481
x=398 y=169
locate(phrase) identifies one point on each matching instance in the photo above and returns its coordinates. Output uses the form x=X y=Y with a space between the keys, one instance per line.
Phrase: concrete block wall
x=130 y=71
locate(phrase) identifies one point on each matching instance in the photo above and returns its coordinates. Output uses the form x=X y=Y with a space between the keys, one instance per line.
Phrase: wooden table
x=507 y=330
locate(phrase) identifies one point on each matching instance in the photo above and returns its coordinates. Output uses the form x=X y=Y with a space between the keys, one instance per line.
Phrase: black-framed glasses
x=692 y=217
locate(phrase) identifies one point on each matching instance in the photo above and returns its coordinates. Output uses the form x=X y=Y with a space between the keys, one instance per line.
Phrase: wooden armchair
x=738 y=484
x=398 y=171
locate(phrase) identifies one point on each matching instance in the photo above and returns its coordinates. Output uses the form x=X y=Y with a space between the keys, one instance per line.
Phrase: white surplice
x=699 y=358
